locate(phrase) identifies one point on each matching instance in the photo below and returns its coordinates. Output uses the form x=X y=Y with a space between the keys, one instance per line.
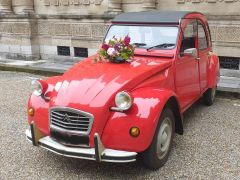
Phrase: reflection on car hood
x=94 y=84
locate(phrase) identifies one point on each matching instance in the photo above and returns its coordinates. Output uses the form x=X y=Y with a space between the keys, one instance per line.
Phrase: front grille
x=70 y=121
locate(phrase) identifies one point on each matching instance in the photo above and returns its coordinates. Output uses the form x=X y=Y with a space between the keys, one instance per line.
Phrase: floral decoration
x=116 y=50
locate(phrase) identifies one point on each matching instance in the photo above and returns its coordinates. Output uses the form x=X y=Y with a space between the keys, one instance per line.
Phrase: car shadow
x=93 y=170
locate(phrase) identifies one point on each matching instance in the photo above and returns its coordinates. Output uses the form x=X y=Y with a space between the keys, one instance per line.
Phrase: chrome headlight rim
x=127 y=105
x=35 y=91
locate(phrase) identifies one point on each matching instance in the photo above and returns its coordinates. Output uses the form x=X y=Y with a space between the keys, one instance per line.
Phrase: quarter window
x=202 y=39
x=189 y=36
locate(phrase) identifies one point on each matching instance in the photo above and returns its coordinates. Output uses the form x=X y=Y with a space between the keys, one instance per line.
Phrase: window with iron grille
x=80 y=52
x=229 y=62
x=63 y=50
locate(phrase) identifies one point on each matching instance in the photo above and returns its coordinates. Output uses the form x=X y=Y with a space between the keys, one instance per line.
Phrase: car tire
x=209 y=96
x=157 y=153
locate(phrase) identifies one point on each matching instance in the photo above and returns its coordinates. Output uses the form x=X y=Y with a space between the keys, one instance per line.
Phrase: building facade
x=69 y=29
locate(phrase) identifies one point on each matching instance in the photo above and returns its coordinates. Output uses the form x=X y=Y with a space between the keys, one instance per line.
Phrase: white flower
x=111 y=51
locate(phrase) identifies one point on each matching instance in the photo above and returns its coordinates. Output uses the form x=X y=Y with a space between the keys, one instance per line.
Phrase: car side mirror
x=191 y=52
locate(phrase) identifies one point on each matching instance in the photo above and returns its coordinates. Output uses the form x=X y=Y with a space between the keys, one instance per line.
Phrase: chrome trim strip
x=67 y=123
x=116 y=109
x=66 y=126
x=107 y=155
x=68 y=109
x=28 y=135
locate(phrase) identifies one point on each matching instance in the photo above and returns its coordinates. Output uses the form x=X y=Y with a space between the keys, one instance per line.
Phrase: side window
x=189 y=37
x=202 y=39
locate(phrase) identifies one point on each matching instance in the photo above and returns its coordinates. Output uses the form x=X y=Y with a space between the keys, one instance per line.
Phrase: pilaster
x=149 y=4
x=114 y=6
x=22 y=6
x=5 y=6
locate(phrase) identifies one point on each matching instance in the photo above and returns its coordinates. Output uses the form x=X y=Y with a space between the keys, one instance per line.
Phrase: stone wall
x=33 y=29
x=69 y=32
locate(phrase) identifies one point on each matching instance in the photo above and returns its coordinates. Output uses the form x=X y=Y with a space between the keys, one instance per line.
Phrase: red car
x=115 y=112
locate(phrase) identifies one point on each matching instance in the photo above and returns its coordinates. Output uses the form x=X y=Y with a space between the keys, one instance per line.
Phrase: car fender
x=41 y=107
x=213 y=70
x=148 y=104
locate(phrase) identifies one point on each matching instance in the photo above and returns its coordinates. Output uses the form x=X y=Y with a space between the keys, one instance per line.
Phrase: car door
x=203 y=53
x=187 y=68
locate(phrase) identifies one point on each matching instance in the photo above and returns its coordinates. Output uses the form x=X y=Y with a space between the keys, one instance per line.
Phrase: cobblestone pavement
x=209 y=148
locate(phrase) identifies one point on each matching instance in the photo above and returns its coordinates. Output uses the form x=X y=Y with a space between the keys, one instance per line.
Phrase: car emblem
x=66 y=118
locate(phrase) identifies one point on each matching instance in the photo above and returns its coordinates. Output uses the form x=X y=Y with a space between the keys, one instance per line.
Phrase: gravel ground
x=209 y=148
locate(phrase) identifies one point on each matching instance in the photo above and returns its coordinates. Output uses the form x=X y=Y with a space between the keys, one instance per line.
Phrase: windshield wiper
x=164 y=45
x=139 y=44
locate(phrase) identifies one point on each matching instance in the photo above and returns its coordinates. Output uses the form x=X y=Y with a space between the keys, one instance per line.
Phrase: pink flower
x=105 y=47
x=127 y=40
x=111 y=52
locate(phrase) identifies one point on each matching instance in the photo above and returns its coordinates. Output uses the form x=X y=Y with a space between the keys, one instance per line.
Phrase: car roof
x=152 y=17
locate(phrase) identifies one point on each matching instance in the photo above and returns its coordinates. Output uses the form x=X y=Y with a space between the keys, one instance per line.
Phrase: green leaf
x=111 y=43
x=124 y=55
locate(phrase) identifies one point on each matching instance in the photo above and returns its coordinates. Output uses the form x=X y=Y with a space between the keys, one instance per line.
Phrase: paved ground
x=209 y=149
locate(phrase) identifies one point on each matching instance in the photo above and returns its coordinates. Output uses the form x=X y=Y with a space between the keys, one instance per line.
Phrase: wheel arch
x=213 y=70
x=173 y=104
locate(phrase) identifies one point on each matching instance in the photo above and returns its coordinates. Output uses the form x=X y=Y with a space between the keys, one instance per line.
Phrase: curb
x=38 y=71
x=228 y=94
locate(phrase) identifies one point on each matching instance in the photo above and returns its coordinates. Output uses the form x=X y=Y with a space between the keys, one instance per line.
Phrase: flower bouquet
x=116 y=50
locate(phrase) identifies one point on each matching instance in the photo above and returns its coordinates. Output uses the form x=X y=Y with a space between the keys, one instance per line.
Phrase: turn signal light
x=31 y=112
x=134 y=131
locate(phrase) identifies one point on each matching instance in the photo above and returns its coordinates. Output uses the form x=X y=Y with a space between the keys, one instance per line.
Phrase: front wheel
x=157 y=154
x=209 y=96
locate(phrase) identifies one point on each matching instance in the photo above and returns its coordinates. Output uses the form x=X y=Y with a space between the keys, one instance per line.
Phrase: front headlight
x=123 y=100
x=37 y=88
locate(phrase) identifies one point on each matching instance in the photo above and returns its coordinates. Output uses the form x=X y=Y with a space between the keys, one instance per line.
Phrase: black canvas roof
x=151 y=17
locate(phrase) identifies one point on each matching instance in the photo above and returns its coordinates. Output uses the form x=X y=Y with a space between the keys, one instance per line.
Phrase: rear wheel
x=157 y=154
x=209 y=96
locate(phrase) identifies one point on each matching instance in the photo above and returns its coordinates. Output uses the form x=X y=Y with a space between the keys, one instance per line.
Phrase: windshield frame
x=148 y=25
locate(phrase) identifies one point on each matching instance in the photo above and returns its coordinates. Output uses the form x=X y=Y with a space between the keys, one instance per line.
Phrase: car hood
x=91 y=87
x=93 y=84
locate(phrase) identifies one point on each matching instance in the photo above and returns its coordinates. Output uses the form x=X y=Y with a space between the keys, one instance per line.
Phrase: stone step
x=231 y=84
x=230 y=73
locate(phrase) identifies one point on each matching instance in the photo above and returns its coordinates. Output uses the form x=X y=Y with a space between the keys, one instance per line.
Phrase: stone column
x=22 y=6
x=5 y=6
x=149 y=4
x=114 y=6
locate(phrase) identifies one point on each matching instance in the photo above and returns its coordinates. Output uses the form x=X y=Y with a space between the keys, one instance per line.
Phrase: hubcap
x=164 y=138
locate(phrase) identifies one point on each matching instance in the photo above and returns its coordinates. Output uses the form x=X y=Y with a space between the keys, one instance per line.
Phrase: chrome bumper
x=98 y=153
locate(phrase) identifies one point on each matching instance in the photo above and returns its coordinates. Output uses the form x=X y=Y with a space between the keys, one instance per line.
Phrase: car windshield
x=149 y=37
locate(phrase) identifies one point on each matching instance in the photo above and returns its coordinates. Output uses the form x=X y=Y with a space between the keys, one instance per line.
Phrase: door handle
x=198 y=58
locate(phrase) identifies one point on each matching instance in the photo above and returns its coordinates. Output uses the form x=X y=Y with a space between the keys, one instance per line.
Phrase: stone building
x=57 y=29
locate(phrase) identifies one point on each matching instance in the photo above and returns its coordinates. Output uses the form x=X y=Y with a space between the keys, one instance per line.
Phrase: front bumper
x=98 y=153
